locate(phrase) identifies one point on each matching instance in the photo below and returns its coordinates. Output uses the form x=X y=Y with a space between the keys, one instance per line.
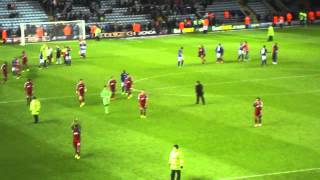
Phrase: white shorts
x=122 y=84
x=240 y=52
x=180 y=58
x=41 y=61
x=205 y=28
x=264 y=58
x=13 y=69
x=218 y=55
x=83 y=51
x=68 y=58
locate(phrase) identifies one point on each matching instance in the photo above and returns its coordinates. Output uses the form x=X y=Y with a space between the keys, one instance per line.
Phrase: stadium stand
x=218 y=7
x=260 y=9
x=23 y=11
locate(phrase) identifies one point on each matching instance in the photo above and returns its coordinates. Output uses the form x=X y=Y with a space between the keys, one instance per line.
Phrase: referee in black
x=199 y=92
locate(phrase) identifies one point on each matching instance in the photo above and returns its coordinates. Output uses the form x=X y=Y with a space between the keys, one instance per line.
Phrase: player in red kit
x=4 y=69
x=28 y=88
x=128 y=82
x=202 y=54
x=112 y=86
x=142 y=97
x=24 y=61
x=258 y=104
x=81 y=90
x=76 y=131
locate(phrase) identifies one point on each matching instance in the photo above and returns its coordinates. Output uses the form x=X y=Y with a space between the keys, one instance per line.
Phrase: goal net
x=52 y=31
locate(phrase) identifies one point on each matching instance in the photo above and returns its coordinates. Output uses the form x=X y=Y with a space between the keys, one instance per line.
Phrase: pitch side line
x=271 y=174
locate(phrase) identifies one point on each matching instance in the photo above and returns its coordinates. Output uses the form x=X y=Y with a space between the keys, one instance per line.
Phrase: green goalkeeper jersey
x=105 y=95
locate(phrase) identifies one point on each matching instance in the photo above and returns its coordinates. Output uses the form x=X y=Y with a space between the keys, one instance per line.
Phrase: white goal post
x=52 y=31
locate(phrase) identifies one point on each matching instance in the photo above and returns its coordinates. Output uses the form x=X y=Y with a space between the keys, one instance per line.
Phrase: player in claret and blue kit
x=81 y=90
x=123 y=77
x=112 y=83
x=76 y=131
x=128 y=83
x=28 y=88
x=142 y=97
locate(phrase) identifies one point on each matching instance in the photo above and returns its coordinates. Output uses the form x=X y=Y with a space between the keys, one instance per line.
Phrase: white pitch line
x=271 y=174
x=240 y=81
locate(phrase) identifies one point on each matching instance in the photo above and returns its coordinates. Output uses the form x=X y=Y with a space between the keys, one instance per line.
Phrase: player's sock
x=106 y=109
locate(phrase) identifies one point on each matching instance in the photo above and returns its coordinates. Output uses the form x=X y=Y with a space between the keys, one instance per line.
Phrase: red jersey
x=28 y=87
x=201 y=52
x=142 y=99
x=81 y=88
x=112 y=84
x=245 y=47
x=128 y=82
x=76 y=135
x=24 y=59
x=258 y=107
x=311 y=16
x=4 y=69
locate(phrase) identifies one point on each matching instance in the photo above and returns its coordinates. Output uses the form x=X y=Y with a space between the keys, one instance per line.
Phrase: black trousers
x=173 y=174
x=36 y=118
x=200 y=97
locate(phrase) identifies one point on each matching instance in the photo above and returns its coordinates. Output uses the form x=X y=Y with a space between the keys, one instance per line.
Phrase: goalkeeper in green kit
x=105 y=95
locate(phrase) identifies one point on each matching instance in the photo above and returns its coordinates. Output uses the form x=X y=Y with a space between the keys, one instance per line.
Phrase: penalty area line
x=272 y=174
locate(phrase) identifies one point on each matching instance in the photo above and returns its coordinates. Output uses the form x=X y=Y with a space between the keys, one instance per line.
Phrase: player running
x=4 y=69
x=263 y=53
x=142 y=97
x=180 y=57
x=123 y=77
x=24 y=62
x=105 y=95
x=76 y=131
x=202 y=54
x=28 y=89
x=128 y=83
x=81 y=90
x=83 y=48
x=112 y=85
x=258 y=104
x=219 y=53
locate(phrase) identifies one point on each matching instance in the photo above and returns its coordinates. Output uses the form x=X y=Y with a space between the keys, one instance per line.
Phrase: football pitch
x=218 y=139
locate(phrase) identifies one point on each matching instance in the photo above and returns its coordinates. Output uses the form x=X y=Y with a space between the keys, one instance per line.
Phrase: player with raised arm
x=4 y=69
x=202 y=54
x=128 y=83
x=123 y=77
x=76 y=131
x=81 y=90
x=28 y=89
x=112 y=83
x=83 y=48
x=258 y=104
x=180 y=57
x=142 y=97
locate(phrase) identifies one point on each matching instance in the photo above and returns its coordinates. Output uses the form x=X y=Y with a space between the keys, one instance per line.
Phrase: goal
x=52 y=31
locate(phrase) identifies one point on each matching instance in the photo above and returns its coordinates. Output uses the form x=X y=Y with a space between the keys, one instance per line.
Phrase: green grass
x=218 y=140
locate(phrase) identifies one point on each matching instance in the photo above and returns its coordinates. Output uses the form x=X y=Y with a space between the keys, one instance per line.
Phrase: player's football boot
x=130 y=96
x=82 y=104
